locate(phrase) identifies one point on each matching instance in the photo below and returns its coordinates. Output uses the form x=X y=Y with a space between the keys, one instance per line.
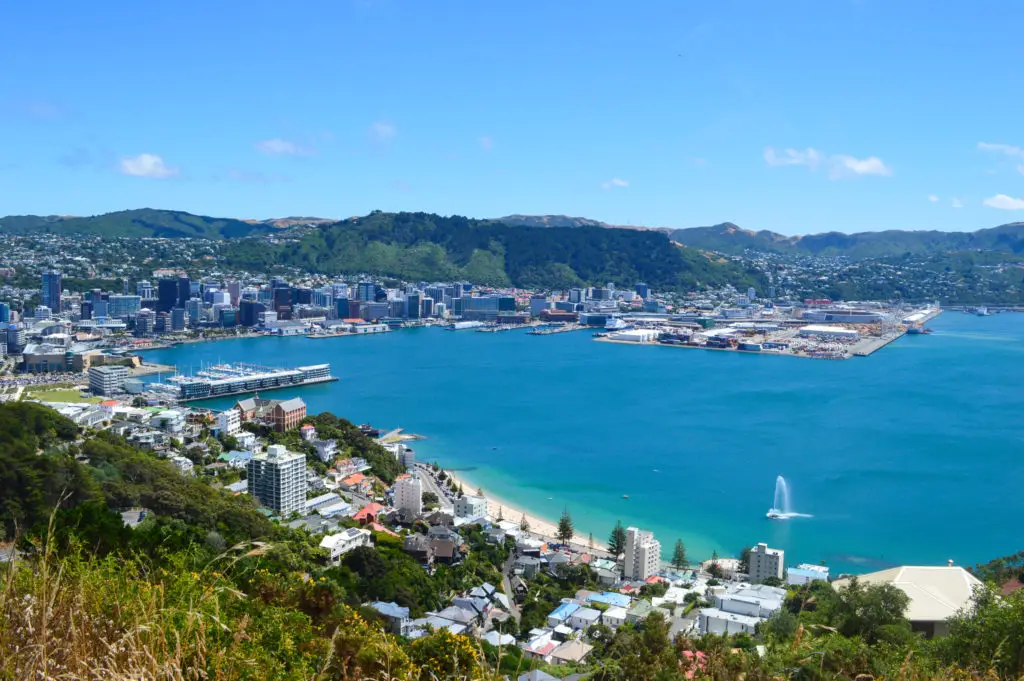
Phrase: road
x=445 y=500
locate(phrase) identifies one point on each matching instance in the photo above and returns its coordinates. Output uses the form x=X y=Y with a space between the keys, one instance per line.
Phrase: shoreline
x=539 y=525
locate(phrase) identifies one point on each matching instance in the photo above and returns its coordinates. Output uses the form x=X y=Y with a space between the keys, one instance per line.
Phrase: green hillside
x=422 y=246
x=729 y=238
x=142 y=222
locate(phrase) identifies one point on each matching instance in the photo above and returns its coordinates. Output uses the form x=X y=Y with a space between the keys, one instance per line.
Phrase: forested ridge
x=423 y=246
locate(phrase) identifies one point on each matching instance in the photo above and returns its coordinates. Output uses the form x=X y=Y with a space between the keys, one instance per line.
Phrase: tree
x=501 y=513
x=524 y=525
x=744 y=558
x=565 y=528
x=617 y=540
x=679 y=560
x=714 y=569
x=590 y=540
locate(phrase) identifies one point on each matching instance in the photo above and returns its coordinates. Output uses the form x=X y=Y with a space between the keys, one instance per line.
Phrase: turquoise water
x=912 y=455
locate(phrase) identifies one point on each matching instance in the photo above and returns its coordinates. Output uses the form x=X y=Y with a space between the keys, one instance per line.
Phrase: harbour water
x=912 y=455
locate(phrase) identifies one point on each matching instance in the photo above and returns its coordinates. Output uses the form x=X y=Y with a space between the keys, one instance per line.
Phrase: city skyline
x=853 y=117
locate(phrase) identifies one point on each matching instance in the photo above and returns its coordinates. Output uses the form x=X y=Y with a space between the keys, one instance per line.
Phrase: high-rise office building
x=283 y=302
x=5 y=313
x=16 y=337
x=412 y=305
x=184 y=291
x=643 y=554
x=145 y=322
x=194 y=307
x=642 y=290
x=144 y=289
x=123 y=307
x=278 y=479
x=249 y=312
x=367 y=292
x=178 y=318
x=42 y=312
x=235 y=291
x=51 y=289
x=167 y=294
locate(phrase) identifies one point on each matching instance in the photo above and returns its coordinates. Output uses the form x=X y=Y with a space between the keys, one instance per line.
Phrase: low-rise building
x=614 y=617
x=584 y=618
x=183 y=464
x=107 y=380
x=343 y=542
x=936 y=593
x=806 y=573
x=396 y=616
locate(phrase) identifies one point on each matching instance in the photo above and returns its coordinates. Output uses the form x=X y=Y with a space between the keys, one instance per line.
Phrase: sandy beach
x=539 y=526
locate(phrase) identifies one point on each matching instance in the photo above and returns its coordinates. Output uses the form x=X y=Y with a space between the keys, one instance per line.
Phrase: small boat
x=625 y=496
x=493 y=448
x=775 y=514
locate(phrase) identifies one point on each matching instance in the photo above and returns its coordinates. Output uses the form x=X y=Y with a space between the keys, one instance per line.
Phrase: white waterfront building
x=278 y=479
x=470 y=506
x=643 y=554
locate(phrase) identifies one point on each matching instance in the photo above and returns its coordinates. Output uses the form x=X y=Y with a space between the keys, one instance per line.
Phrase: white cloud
x=956 y=203
x=146 y=165
x=382 y=131
x=614 y=182
x=793 y=157
x=933 y=198
x=1007 y=149
x=280 y=147
x=838 y=165
x=487 y=142
x=1004 y=202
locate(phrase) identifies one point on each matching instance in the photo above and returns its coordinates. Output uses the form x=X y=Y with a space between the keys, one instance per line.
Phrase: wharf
x=318 y=336
x=148 y=369
x=312 y=381
x=397 y=435
x=505 y=327
x=558 y=329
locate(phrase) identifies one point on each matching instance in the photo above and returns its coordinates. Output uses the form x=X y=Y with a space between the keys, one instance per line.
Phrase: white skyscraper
x=766 y=562
x=278 y=479
x=643 y=554
x=409 y=496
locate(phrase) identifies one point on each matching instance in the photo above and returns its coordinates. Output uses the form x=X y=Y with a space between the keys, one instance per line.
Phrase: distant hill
x=729 y=238
x=142 y=222
x=566 y=221
x=427 y=247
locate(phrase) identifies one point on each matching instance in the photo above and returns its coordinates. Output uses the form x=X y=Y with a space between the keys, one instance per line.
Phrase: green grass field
x=59 y=395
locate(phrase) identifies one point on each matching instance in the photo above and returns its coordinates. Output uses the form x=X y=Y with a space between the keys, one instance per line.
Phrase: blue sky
x=792 y=116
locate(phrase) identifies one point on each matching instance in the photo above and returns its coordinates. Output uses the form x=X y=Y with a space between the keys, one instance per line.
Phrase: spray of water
x=782 y=507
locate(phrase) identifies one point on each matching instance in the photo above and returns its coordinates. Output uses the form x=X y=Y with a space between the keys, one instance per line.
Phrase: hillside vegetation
x=206 y=587
x=729 y=238
x=143 y=222
x=423 y=246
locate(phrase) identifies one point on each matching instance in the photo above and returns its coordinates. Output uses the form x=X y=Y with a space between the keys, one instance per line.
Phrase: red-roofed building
x=368 y=514
x=377 y=527
x=357 y=482
x=654 y=579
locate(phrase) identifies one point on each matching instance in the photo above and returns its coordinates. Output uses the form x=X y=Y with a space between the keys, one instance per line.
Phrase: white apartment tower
x=278 y=479
x=766 y=562
x=409 y=496
x=643 y=554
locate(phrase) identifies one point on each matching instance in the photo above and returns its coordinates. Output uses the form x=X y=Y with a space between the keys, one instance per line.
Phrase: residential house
x=358 y=483
x=527 y=566
x=370 y=513
x=396 y=616
x=936 y=593
x=614 y=617
x=343 y=542
x=639 y=612
x=326 y=450
x=418 y=546
x=561 y=614
x=556 y=563
x=445 y=551
x=584 y=618
x=571 y=652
